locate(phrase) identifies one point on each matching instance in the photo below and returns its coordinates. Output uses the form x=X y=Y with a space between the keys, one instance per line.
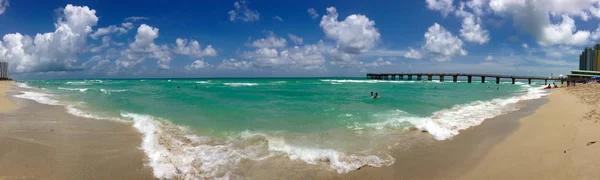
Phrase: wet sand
x=44 y=142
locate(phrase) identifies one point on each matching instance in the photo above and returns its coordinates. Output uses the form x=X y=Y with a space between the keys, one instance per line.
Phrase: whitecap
x=240 y=84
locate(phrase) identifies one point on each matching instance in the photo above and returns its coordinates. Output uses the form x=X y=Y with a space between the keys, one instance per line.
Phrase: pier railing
x=429 y=76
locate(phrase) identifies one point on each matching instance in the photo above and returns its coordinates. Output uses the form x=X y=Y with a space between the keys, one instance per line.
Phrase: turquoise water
x=316 y=120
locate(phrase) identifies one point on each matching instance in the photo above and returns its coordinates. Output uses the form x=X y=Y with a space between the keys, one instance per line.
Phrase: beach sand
x=44 y=142
x=5 y=104
x=557 y=142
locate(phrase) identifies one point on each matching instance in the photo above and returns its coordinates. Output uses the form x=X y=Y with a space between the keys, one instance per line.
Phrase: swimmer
x=371 y=93
x=376 y=96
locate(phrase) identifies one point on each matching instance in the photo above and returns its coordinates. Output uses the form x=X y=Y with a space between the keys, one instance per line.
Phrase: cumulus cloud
x=277 y=18
x=379 y=62
x=3 y=5
x=413 y=54
x=313 y=13
x=308 y=57
x=242 y=12
x=232 y=64
x=354 y=35
x=136 y=18
x=144 y=47
x=196 y=65
x=442 y=44
x=272 y=41
x=472 y=30
x=192 y=48
x=535 y=18
x=489 y=58
x=525 y=46
x=125 y=27
x=297 y=40
x=52 y=51
x=444 y=6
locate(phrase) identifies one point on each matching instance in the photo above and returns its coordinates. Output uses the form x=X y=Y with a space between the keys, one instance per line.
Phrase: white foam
x=202 y=82
x=71 y=109
x=240 y=84
x=23 y=85
x=172 y=154
x=74 y=89
x=41 y=98
x=76 y=83
x=447 y=123
x=338 y=161
x=108 y=91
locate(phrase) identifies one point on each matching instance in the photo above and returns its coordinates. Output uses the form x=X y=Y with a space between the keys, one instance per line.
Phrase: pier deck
x=419 y=76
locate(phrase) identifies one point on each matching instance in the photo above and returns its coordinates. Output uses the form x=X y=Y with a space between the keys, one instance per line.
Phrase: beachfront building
x=589 y=59
x=3 y=70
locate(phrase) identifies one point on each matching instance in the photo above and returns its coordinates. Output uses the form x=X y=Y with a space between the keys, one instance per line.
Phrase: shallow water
x=211 y=130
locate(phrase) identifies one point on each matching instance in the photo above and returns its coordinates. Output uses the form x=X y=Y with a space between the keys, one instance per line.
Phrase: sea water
x=204 y=128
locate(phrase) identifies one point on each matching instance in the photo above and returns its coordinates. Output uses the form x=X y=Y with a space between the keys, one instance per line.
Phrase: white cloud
x=278 y=18
x=444 y=6
x=242 y=12
x=489 y=58
x=52 y=51
x=297 y=40
x=563 y=33
x=313 y=13
x=272 y=41
x=525 y=46
x=442 y=43
x=198 y=64
x=112 y=29
x=354 y=35
x=472 y=30
x=232 y=64
x=3 y=5
x=192 y=48
x=379 y=62
x=143 y=47
x=535 y=18
x=413 y=54
x=136 y=18
x=308 y=57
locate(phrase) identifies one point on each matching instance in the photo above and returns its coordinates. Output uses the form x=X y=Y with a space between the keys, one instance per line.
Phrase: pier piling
x=441 y=78
x=410 y=77
x=513 y=80
x=482 y=79
x=454 y=78
x=419 y=77
x=497 y=80
x=429 y=77
x=469 y=78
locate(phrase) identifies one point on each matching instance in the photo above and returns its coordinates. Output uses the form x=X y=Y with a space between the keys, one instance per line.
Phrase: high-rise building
x=589 y=59
x=3 y=70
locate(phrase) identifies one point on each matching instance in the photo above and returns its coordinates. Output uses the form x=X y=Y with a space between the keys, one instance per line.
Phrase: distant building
x=589 y=59
x=3 y=70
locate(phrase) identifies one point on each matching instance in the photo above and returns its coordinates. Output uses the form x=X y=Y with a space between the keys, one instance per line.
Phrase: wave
x=71 y=109
x=108 y=91
x=74 y=89
x=447 y=123
x=23 y=85
x=240 y=84
x=41 y=98
x=278 y=82
x=174 y=154
x=202 y=82
x=76 y=82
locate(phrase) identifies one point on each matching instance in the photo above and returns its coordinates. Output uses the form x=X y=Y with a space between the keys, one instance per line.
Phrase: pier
x=429 y=76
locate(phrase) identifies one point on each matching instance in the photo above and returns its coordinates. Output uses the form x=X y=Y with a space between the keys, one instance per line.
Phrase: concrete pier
x=456 y=75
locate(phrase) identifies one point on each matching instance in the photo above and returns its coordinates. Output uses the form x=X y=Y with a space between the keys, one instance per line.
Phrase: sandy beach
x=549 y=138
x=6 y=104
x=559 y=141
x=44 y=142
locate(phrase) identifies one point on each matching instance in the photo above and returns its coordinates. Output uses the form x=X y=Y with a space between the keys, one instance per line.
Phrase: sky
x=63 y=39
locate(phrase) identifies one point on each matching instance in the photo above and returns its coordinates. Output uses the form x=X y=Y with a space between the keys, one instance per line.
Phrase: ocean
x=210 y=128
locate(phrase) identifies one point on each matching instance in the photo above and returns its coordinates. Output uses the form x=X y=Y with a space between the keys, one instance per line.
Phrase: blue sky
x=220 y=38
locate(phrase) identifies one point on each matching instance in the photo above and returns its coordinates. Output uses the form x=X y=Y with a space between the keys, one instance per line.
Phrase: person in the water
x=376 y=96
x=371 y=93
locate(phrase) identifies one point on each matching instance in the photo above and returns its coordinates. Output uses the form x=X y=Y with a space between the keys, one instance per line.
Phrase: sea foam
x=39 y=97
x=74 y=89
x=447 y=123
x=240 y=84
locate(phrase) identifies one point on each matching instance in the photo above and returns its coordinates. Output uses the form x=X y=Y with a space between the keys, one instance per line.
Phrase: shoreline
x=39 y=141
x=485 y=151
